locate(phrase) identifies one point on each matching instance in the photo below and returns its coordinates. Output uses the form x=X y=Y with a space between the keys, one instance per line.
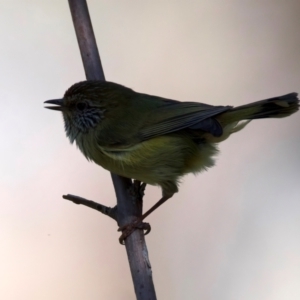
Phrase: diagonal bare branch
x=128 y=207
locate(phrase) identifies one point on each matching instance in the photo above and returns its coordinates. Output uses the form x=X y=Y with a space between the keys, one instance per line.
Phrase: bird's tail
x=277 y=107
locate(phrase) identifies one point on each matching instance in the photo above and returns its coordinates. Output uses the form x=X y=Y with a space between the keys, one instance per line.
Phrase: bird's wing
x=167 y=117
x=176 y=116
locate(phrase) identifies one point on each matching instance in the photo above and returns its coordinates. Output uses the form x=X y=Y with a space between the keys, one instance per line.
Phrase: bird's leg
x=138 y=193
x=129 y=228
x=139 y=189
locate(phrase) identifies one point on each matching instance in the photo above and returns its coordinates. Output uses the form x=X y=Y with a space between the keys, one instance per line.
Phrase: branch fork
x=136 y=192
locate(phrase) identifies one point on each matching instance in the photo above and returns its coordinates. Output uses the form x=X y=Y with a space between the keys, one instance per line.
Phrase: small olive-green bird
x=153 y=139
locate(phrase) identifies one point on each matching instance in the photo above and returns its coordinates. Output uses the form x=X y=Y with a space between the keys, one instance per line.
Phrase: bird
x=152 y=139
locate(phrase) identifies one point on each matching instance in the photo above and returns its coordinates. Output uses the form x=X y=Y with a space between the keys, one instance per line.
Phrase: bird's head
x=84 y=105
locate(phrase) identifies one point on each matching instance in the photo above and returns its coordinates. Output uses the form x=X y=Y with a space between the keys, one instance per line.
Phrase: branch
x=129 y=207
x=108 y=211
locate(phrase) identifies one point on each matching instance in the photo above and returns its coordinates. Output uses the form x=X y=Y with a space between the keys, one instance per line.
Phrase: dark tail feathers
x=277 y=107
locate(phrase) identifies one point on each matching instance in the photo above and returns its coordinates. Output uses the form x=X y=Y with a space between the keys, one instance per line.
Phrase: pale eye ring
x=81 y=105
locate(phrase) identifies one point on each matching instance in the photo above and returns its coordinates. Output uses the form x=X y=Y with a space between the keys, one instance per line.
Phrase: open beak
x=58 y=102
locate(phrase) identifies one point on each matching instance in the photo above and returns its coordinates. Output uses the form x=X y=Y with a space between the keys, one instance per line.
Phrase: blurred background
x=230 y=233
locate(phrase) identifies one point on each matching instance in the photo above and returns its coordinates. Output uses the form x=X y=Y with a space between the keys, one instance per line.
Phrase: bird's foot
x=128 y=229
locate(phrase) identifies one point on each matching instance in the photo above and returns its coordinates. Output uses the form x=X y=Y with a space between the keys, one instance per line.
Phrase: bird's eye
x=80 y=105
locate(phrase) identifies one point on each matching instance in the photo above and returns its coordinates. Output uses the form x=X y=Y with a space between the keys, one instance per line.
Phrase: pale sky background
x=231 y=233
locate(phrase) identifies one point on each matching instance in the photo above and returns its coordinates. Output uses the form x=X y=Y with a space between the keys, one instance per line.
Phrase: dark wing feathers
x=180 y=115
x=210 y=125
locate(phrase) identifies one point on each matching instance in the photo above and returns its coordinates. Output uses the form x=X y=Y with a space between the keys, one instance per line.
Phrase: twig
x=110 y=212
